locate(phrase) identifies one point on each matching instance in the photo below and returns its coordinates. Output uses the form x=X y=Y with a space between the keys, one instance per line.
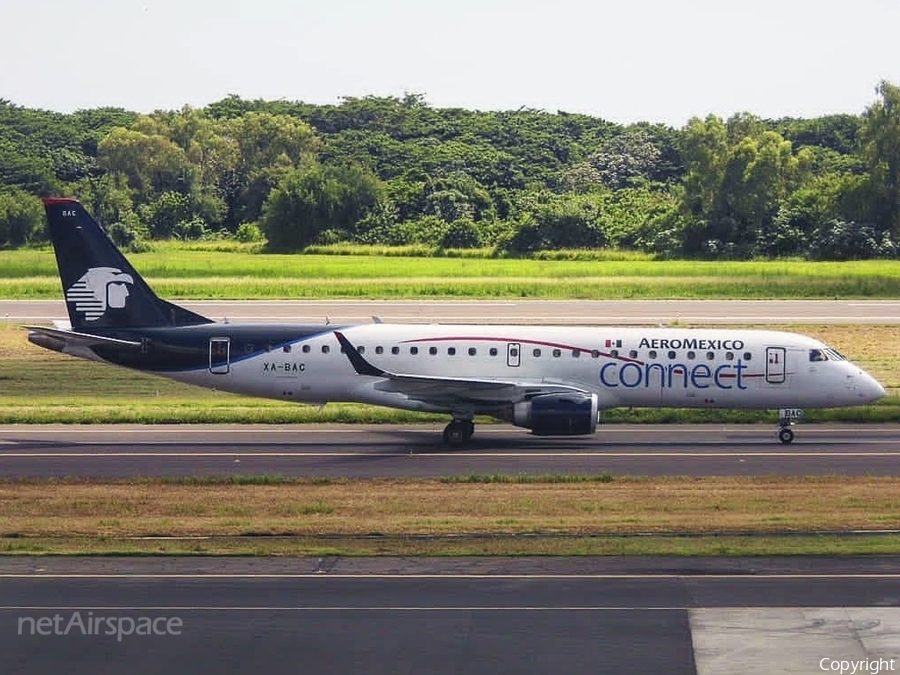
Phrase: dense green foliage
x=394 y=171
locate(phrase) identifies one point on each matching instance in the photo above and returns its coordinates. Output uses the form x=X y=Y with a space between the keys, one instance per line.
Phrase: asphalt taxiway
x=417 y=450
x=647 y=615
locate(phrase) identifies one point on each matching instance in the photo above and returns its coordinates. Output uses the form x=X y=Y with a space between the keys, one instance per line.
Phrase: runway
x=417 y=451
x=514 y=311
x=472 y=615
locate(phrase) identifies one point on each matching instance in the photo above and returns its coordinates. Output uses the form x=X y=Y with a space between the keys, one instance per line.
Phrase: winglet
x=359 y=364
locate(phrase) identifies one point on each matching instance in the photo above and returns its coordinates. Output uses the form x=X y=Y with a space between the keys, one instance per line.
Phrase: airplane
x=553 y=380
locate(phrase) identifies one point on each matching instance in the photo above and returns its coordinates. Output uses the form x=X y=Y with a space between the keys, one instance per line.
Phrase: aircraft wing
x=444 y=390
x=448 y=389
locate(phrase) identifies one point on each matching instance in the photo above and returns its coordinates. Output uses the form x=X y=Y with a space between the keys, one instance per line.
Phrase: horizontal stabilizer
x=72 y=338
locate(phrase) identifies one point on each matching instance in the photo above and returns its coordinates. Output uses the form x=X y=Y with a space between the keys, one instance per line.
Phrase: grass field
x=179 y=272
x=550 y=515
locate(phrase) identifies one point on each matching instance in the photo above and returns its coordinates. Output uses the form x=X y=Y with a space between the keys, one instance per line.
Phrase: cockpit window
x=817 y=355
x=835 y=355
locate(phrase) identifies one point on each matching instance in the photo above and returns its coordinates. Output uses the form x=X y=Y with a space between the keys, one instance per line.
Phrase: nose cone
x=870 y=389
x=877 y=390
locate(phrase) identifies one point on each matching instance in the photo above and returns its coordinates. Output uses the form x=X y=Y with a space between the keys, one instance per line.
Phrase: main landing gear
x=458 y=432
x=786 y=419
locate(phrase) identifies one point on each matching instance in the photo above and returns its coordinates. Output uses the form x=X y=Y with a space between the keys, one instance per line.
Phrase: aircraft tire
x=455 y=434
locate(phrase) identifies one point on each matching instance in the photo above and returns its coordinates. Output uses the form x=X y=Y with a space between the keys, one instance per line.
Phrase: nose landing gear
x=786 y=419
x=785 y=434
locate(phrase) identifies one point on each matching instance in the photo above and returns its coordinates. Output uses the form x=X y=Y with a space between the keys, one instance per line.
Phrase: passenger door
x=219 y=355
x=776 y=368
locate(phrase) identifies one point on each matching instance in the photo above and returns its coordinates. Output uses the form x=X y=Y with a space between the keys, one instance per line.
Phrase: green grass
x=756 y=545
x=549 y=515
x=194 y=272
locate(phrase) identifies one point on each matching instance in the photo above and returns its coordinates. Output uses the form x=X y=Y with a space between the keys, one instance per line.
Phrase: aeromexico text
x=633 y=374
x=690 y=343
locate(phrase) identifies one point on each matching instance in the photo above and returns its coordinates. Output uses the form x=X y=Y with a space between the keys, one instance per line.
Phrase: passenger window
x=413 y=350
x=614 y=353
x=595 y=353
x=671 y=355
x=557 y=353
x=632 y=354
x=747 y=356
x=286 y=349
x=379 y=350
x=432 y=350
x=576 y=353
x=710 y=356
x=360 y=349
x=652 y=353
x=451 y=351
x=691 y=356
x=306 y=349
x=493 y=351
x=536 y=353
x=325 y=349
x=729 y=356
x=472 y=351
x=395 y=350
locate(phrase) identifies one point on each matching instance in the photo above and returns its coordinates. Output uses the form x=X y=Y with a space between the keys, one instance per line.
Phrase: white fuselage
x=670 y=367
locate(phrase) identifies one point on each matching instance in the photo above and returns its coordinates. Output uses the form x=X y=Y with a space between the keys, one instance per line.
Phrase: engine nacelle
x=558 y=414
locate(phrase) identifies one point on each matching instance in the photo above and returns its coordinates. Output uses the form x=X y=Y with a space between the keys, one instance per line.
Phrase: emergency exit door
x=513 y=354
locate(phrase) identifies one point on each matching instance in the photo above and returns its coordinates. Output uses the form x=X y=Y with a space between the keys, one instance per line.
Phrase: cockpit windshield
x=826 y=354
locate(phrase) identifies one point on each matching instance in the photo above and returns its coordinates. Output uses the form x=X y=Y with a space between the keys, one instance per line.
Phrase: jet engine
x=558 y=414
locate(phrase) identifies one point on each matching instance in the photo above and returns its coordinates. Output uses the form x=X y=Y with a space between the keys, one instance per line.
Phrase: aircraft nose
x=870 y=388
x=877 y=390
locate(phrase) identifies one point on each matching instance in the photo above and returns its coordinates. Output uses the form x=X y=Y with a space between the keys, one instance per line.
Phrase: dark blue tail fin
x=101 y=288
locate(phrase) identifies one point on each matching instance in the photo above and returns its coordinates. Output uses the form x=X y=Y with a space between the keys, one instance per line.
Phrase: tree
x=556 y=222
x=314 y=199
x=881 y=142
x=151 y=162
x=455 y=196
x=108 y=197
x=738 y=175
x=704 y=149
x=21 y=218
x=619 y=161
x=164 y=214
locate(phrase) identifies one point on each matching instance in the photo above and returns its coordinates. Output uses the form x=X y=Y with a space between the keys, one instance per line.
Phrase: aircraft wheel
x=455 y=434
x=470 y=428
x=785 y=435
